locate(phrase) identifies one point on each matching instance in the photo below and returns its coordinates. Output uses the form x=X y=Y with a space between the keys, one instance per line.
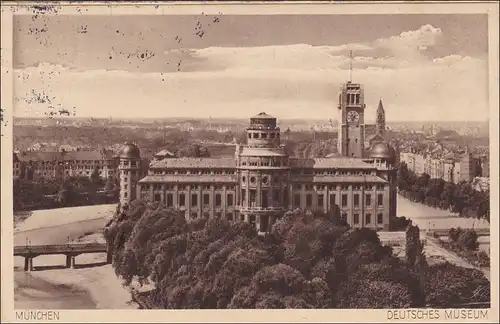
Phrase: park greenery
x=464 y=242
x=458 y=198
x=47 y=193
x=308 y=260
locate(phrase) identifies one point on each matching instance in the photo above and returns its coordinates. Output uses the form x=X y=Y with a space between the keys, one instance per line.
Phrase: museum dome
x=382 y=150
x=130 y=151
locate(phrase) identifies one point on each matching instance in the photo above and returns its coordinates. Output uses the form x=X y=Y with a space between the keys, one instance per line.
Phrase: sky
x=423 y=67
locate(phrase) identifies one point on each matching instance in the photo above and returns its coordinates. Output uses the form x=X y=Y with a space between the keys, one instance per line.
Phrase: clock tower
x=351 y=133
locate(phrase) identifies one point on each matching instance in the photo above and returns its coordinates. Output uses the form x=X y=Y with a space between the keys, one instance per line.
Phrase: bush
x=454 y=233
x=483 y=259
x=467 y=240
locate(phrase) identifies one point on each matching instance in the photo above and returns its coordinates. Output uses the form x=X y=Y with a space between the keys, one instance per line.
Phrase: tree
x=308 y=260
x=193 y=150
x=110 y=184
x=412 y=244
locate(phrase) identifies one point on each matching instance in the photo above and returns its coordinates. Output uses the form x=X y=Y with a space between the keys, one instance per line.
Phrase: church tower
x=351 y=133
x=380 y=118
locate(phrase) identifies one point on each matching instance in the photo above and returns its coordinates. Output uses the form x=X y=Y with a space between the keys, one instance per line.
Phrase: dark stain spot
x=82 y=30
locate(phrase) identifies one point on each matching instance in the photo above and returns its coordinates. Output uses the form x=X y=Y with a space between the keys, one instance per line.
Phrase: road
x=455 y=259
x=425 y=216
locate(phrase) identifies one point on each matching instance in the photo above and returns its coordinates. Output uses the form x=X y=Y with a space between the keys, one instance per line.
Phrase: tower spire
x=380 y=118
x=350 y=66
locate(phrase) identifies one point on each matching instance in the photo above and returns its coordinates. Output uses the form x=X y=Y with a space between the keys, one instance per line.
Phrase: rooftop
x=330 y=162
x=65 y=156
x=164 y=152
x=263 y=115
x=254 y=151
x=228 y=163
x=187 y=162
x=216 y=178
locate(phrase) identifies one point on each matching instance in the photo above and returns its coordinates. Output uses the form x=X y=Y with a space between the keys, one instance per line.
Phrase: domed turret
x=130 y=151
x=382 y=150
x=130 y=172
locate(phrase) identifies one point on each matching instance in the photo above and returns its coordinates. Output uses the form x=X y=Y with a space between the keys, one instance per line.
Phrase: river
x=31 y=291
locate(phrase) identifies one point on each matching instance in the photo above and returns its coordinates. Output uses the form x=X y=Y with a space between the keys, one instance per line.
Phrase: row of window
x=263 y=135
x=310 y=187
x=169 y=199
x=353 y=98
x=264 y=198
x=264 y=224
x=132 y=163
x=193 y=171
x=159 y=186
x=53 y=162
x=263 y=161
x=127 y=172
x=85 y=167
x=252 y=219
x=302 y=171
x=343 y=200
x=368 y=218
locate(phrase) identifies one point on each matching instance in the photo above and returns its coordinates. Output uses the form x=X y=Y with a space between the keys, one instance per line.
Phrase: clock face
x=352 y=116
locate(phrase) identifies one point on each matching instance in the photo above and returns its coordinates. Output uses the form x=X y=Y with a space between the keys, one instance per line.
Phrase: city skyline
x=228 y=66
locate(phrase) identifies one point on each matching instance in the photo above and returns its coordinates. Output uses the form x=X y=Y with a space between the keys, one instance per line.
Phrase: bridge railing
x=59 y=248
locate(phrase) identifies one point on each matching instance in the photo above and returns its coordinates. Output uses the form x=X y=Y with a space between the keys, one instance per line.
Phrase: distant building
x=450 y=167
x=447 y=135
x=58 y=165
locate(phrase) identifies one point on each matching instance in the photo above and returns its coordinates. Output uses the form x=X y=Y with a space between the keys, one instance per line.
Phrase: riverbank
x=91 y=285
x=25 y=221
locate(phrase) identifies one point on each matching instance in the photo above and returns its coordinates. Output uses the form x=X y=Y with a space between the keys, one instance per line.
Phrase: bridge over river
x=29 y=252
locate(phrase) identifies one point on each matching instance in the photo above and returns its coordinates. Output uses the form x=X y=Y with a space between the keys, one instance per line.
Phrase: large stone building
x=58 y=165
x=262 y=182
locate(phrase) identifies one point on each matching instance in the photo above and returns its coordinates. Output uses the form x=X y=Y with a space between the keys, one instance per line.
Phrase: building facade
x=261 y=182
x=449 y=167
x=59 y=165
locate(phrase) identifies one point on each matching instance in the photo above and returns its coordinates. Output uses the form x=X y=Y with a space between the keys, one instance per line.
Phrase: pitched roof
x=254 y=151
x=337 y=162
x=164 y=152
x=189 y=178
x=187 y=162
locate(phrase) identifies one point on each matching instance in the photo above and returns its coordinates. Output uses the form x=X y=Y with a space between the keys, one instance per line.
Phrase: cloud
x=299 y=81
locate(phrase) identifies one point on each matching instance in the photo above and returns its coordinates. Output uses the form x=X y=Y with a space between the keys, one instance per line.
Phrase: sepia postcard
x=327 y=162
